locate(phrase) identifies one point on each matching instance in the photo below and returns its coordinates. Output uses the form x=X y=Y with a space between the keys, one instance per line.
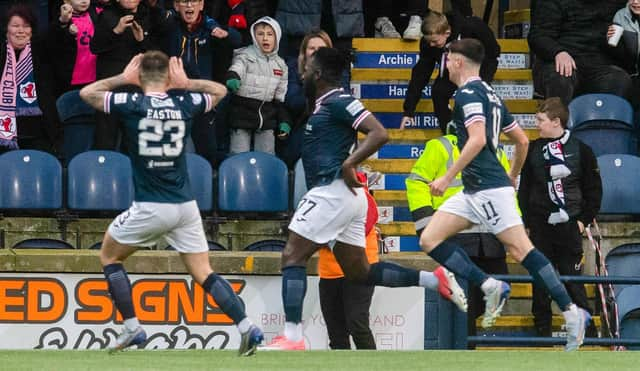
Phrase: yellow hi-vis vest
x=438 y=156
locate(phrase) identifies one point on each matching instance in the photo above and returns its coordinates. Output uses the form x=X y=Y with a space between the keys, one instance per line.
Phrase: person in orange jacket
x=345 y=304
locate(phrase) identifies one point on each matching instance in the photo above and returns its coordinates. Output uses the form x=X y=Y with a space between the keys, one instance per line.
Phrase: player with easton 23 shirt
x=157 y=124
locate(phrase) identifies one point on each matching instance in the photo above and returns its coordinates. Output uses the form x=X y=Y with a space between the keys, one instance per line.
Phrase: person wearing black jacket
x=62 y=41
x=568 y=38
x=560 y=193
x=124 y=29
x=439 y=30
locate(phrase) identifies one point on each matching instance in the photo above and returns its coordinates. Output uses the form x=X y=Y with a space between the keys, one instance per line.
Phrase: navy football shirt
x=156 y=126
x=329 y=135
x=476 y=103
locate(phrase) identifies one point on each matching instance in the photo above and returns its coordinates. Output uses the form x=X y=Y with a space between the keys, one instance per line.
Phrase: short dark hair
x=331 y=62
x=472 y=49
x=23 y=11
x=555 y=109
x=154 y=66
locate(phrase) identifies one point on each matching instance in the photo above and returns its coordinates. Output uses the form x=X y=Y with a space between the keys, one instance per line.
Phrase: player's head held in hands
x=154 y=68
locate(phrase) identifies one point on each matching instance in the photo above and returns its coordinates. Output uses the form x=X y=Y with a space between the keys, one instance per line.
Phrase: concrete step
x=380 y=45
x=404 y=74
x=395 y=105
x=423 y=135
x=515 y=321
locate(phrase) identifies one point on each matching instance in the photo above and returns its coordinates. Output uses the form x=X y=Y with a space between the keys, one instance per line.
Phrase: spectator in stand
x=28 y=115
x=68 y=39
x=124 y=29
x=342 y=20
x=289 y=149
x=483 y=248
x=560 y=193
x=415 y=9
x=345 y=304
x=197 y=40
x=258 y=79
x=101 y=4
x=238 y=14
x=568 y=38
x=628 y=50
x=439 y=30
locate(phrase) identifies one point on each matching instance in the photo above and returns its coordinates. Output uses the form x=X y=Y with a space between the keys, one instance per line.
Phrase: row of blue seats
x=246 y=182
x=102 y=181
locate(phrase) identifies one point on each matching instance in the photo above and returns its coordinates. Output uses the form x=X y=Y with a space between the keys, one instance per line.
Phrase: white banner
x=73 y=311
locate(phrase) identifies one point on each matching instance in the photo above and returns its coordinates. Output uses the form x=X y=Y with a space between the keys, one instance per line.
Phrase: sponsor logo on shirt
x=472 y=109
x=157 y=103
x=354 y=107
x=120 y=98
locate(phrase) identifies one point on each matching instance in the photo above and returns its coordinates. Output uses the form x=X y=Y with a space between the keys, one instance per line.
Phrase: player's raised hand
x=350 y=177
x=177 y=77
x=131 y=73
x=66 y=11
x=439 y=186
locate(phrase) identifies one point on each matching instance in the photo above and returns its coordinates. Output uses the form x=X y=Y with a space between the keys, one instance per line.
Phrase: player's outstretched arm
x=376 y=137
x=179 y=80
x=519 y=138
x=94 y=93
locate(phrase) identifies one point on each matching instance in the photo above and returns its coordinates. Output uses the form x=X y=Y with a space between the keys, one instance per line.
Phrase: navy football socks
x=545 y=275
x=294 y=288
x=224 y=296
x=458 y=262
x=392 y=275
x=120 y=289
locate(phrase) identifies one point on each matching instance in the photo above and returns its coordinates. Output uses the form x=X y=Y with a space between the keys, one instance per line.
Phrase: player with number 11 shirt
x=488 y=197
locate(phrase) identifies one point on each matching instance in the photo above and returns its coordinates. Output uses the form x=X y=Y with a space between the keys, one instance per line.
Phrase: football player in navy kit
x=333 y=211
x=488 y=197
x=157 y=123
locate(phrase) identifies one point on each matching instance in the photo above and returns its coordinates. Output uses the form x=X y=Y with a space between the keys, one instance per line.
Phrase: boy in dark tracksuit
x=439 y=30
x=560 y=193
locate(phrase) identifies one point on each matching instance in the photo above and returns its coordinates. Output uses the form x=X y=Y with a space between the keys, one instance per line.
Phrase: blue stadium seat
x=100 y=181
x=253 y=182
x=78 y=119
x=213 y=246
x=201 y=180
x=266 y=245
x=620 y=177
x=31 y=180
x=604 y=122
x=299 y=183
x=42 y=243
x=623 y=261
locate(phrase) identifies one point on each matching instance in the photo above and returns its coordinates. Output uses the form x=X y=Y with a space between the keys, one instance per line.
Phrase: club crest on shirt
x=277 y=72
x=28 y=92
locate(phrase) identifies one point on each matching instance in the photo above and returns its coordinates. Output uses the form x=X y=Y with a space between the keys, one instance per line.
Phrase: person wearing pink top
x=69 y=36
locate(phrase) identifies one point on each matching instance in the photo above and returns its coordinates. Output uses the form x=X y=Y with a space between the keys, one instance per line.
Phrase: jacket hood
x=276 y=27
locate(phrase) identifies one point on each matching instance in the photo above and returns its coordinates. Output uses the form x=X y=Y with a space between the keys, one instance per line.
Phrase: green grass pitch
x=187 y=360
